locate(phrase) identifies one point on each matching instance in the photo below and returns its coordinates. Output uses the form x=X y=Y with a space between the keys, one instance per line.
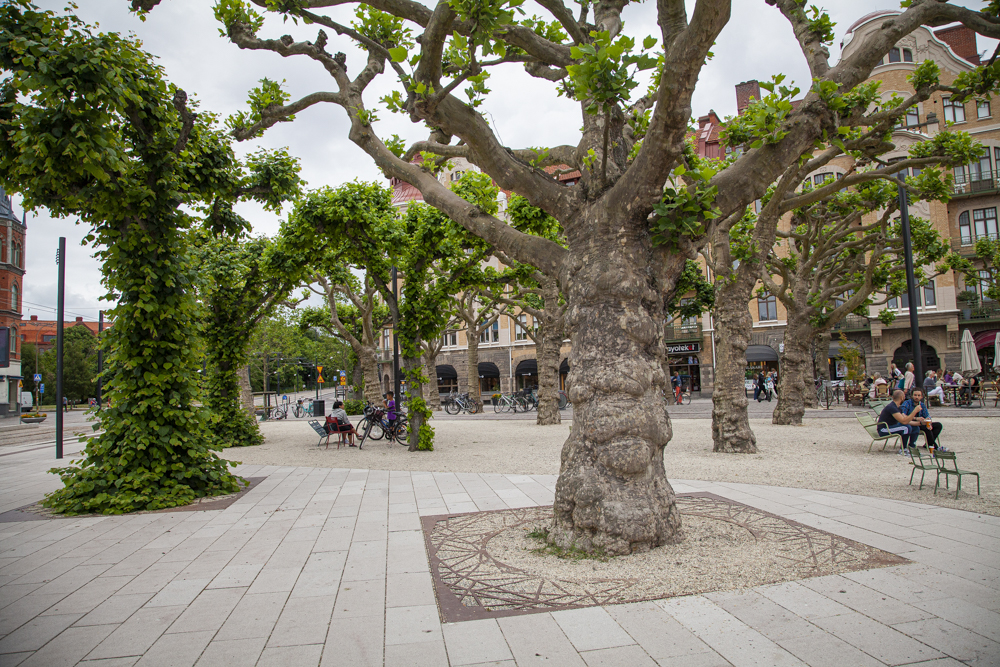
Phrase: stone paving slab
x=328 y=567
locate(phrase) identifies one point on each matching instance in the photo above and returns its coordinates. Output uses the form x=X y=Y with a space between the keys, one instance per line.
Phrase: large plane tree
x=628 y=236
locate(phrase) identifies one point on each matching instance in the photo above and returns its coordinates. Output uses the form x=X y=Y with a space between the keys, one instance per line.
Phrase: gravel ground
x=823 y=454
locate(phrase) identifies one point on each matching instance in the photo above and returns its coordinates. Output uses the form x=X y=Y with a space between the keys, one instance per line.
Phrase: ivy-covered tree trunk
x=730 y=422
x=549 y=342
x=794 y=372
x=612 y=494
x=412 y=370
x=156 y=449
x=430 y=370
x=246 y=391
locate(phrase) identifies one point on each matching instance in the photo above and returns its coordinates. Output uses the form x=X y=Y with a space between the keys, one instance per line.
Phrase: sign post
x=319 y=380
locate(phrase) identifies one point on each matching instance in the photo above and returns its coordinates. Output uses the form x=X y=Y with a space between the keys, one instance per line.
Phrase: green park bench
x=922 y=461
x=871 y=427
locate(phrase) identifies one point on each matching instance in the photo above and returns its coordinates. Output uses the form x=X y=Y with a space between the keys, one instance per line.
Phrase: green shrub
x=354 y=407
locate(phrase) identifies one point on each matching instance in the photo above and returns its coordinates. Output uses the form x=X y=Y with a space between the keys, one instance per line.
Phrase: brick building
x=12 y=236
x=42 y=333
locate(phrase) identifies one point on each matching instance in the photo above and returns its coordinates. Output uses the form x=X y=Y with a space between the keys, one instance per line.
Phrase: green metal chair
x=871 y=426
x=947 y=465
x=923 y=462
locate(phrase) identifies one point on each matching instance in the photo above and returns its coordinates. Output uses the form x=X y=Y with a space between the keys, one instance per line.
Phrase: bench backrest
x=946 y=461
x=917 y=456
x=316 y=427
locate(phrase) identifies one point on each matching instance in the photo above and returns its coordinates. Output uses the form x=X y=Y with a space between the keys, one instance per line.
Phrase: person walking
x=758 y=389
x=909 y=379
x=769 y=386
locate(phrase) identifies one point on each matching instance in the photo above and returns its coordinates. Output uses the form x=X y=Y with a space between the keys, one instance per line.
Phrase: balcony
x=967 y=246
x=988 y=312
x=986 y=182
x=683 y=332
x=384 y=356
x=853 y=323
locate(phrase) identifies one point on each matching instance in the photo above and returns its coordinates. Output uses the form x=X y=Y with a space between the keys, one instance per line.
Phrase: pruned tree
x=831 y=262
x=628 y=236
x=355 y=313
x=89 y=127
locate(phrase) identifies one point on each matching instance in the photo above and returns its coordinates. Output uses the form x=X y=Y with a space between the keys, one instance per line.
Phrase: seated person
x=931 y=429
x=879 y=380
x=931 y=387
x=894 y=420
x=337 y=421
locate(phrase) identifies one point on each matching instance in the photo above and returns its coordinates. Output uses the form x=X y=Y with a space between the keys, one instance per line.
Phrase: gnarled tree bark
x=794 y=372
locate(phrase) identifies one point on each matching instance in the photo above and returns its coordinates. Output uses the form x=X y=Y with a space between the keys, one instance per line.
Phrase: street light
x=911 y=281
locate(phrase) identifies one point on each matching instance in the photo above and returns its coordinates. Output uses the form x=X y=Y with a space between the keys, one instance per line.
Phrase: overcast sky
x=524 y=111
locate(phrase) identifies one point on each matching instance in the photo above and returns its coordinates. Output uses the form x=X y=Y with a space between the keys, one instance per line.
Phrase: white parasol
x=996 y=353
x=970 y=359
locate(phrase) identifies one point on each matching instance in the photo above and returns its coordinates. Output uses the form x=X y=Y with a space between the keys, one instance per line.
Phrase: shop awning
x=835 y=349
x=564 y=367
x=487 y=369
x=445 y=372
x=761 y=353
x=527 y=367
x=985 y=339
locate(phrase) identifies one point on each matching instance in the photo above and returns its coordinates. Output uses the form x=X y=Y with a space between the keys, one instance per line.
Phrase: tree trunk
x=612 y=495
x=795 y=368
x=368 y=360
x=472 y=372
x=246 y=391
x=415 y=391
x=549 y=342
x=430 y=370
x=730 y=422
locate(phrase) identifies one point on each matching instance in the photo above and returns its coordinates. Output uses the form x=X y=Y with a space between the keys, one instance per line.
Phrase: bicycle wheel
x=496 y=405
x=476 y=407
x=686 y=398
x=452 y=407
x=377 y=430
x=402 y=431
x=298 y=411
x=563 y=400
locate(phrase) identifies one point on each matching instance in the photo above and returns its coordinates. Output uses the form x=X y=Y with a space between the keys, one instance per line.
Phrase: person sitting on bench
x=337 y=421
x=931 y=387
x=931 y=429
x=894 y=420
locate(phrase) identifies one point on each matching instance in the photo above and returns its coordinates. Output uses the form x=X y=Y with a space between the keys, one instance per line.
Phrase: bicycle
x=505 y=403
x=679 y=396
x=827 y=393
x=303 y=408
x=455 y=403
x=375 y=425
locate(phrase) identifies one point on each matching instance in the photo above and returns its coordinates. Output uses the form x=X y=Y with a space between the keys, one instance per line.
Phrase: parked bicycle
x=375 y=425
x=303 y=408
x=455 y=403
x=828 y=392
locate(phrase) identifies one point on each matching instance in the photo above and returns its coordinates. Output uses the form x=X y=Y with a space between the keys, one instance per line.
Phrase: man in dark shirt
x=894 y=420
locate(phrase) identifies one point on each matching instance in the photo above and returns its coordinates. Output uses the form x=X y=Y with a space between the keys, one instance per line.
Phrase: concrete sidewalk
x=328 y=567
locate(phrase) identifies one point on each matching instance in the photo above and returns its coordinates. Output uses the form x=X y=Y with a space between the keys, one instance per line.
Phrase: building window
x=767 y=308
x=386 y=339
x=521 y=328
x=894 y=55
x=457 y=175
x=16 y=260
x=984 y=285
x=984 y=223
x=820 y=179
x=907 y=56
x=965 y=228
x=930 y=297
x=954 y=112
x=983 y=109
x=689 y=324
x=449 y=338
x=13 y=341
x=13 y=297
x=912 y=117
x=491 y=334
x=48 y=338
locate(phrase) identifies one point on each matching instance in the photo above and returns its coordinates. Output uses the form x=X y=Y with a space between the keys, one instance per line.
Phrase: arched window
x=13 y=297
x=13 y=341
x=17 y=254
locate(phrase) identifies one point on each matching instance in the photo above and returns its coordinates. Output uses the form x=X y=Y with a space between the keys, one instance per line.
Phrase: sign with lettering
x=683 y=347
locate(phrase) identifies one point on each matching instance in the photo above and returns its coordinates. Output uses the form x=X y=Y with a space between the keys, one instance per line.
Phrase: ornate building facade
x=12 y=239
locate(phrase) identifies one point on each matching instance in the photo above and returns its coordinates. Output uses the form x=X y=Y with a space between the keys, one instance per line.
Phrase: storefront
x=761 y=358
x=682 y=359
x=526 y=373
x=447 y=379
x=489 y=379
x=563 y=372
x=986 y=345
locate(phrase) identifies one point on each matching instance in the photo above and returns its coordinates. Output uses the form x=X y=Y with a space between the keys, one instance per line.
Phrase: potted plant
x=33 y=417
x=967 y=300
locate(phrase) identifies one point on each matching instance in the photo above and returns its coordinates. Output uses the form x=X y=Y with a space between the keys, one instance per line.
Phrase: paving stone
x=880 y=606
x=138 y=633
x=591 y=628
x=537 y=639
x=656 y=631
x=275 y=580
x=180 y=591
x=823 y=650
x=116 y=609
x=254 y=616
x=15 y=659
x=360 y=598
x=302 y=621
x=37 y=632
x=802 y=601
x=412 y=625
x=409 y=589
x=726 y=635
x=877 y=640
x=474 y=642
x=963 y=645
x=619 y=656
x=24 y=609
x=176 y=650
x=406 y=552
x=291 y=656
x=69 y=647
x=111 y=662
x=966 y=615
x=707 y=659
x=766 y=617
x=365 y=560
x=355 y=642
x=232 y=653
x=88 y=597
x=208 y=611
x=423 y=654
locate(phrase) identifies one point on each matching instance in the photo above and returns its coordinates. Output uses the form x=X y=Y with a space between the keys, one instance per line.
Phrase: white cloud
x=756 y=43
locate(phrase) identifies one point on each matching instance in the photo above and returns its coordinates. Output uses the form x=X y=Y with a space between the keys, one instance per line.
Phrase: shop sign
x=684 y=347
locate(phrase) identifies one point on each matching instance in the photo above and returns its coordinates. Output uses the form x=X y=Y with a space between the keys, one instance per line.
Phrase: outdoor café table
x=954 y=390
